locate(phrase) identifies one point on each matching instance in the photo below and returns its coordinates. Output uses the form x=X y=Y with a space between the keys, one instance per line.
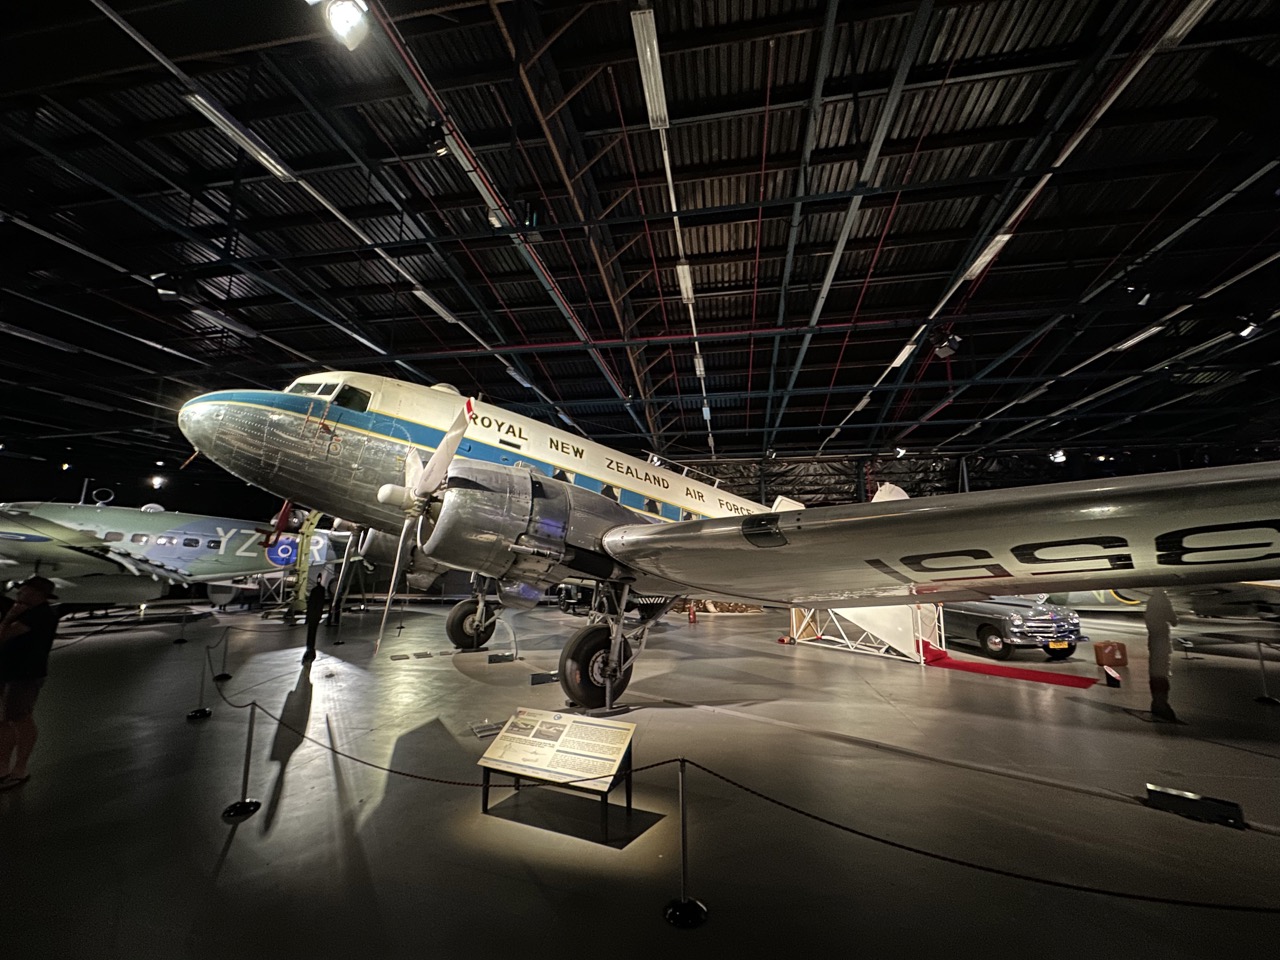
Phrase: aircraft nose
x=199 y=419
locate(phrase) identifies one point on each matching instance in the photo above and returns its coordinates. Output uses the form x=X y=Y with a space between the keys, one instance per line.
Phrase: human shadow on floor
x=294 y=716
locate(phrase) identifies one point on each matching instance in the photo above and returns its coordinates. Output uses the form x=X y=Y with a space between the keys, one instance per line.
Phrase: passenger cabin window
x=352 y=399
x=139 y=538
x=166 y=541
x=113 y=536
x=191 y=542
x=214 y=544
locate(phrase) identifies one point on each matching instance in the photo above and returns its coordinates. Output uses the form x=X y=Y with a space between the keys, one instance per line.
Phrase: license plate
x=1058 y=644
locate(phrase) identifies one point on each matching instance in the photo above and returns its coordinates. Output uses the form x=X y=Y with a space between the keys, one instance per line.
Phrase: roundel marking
x=284 y=551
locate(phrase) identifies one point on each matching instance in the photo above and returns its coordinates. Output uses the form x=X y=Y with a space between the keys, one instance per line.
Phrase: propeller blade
x=437 y=468
x=395 y=578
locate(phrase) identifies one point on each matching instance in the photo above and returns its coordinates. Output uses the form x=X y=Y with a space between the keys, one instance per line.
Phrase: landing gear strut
x=595 y=665
x=471 y=623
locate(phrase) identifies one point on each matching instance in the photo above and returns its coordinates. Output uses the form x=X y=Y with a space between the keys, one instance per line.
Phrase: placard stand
x=623 y=775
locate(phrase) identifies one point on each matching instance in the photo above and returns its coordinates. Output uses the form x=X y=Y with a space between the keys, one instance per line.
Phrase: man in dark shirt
x=26 y=637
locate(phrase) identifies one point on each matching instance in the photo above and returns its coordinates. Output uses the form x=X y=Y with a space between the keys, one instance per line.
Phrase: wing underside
x=1200 y=526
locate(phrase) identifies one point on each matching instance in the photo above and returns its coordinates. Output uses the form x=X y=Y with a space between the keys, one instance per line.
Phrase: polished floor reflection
x=117 y=848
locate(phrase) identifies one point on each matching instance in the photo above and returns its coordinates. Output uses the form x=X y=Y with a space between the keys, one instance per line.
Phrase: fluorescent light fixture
x=989 y=253
x=240 y=135
x=519 y=378
x=91 y=404
x=227 y=323
x=706 y=412
x=1058 y=456
x=1184 y=23
x=655 y=92
x=903 y=356
x=899 y=452
x=495 y=220
x=1146 y=298
x=346 y=21
x=862 y=404
x=699 y=366
x=1139 y=337
x=684 y=274
x=1249 y=330
x=39 y=338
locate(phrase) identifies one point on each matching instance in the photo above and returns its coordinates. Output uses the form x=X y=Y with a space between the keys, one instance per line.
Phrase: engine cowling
x=379 y=549
x=521 y=527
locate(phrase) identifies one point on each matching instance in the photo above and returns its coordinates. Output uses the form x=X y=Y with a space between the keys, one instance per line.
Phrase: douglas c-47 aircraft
x=118 y=555
x=529 y=506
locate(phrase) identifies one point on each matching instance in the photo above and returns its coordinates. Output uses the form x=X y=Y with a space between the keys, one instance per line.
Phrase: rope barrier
x=799 y=811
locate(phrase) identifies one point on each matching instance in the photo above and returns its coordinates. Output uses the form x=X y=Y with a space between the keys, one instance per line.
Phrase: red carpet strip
x=934 y=657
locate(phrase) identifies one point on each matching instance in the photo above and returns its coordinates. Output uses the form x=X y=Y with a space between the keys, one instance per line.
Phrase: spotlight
x=899 y=453
x=1249 y=328
x=945 y=347
x=157 y=482
x=1058 y=456
x=434 y=135
x=66 y=466
x=346 y=21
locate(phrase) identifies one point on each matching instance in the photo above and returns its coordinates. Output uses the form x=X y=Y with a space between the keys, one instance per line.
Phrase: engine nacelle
x=517 y=525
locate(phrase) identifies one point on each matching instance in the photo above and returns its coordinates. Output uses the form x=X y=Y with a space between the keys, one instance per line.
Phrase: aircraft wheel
x=463 y=628
x=994 y=645
x=582 y=666
x=1061 y=654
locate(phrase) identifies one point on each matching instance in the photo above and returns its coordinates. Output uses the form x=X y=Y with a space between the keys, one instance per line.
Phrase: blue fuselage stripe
x=399 y=430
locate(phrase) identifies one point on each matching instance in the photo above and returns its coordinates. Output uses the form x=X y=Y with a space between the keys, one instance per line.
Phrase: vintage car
x=1004 y=624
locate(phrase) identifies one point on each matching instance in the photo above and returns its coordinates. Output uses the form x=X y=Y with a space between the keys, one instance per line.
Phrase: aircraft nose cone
x=198 y=420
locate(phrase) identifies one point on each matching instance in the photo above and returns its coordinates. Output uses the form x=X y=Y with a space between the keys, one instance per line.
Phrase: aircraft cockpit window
x=352 y=399
x=139 y=538
x=113 y=536
x=191 y=542
x=313 y=389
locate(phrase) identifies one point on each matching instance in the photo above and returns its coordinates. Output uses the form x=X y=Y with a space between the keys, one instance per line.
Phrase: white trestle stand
x=898 y=633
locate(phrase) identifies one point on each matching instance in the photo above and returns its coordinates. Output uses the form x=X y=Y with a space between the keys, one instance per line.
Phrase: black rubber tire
x=582 y=666
x=1060 y=654
x=460 y=627
x=994 y=645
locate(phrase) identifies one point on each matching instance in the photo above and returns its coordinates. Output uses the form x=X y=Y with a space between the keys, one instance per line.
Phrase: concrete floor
x=116 y=847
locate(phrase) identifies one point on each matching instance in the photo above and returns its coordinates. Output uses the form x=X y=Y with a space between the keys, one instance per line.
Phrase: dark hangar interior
x=910 y=231
x=801 y=247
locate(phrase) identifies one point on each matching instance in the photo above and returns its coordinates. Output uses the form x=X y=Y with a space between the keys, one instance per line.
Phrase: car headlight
x=1016 y=620
x=1075 y=620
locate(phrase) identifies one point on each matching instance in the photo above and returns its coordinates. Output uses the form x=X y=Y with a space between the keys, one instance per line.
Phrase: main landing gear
x=471 y=623
x=595 y=665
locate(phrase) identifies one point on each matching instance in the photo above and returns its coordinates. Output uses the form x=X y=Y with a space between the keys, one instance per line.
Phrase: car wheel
x=1061 y=654
x=994 y=645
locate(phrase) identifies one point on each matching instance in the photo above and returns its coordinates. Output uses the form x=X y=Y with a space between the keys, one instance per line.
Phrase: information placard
x=560 y=747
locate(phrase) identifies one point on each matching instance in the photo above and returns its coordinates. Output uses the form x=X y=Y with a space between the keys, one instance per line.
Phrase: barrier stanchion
x=1266 y=697
x=201 y=712
x=182 y=631
x=684 y=913
x=244 y=808
x=223 y=677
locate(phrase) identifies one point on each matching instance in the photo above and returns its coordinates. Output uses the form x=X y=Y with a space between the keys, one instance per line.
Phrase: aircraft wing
x=28 y=543
x=1202 y=526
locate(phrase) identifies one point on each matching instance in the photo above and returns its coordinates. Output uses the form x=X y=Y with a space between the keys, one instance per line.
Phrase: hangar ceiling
x=947 y=226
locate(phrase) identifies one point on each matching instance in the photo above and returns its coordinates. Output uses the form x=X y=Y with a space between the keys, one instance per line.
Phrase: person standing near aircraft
x=315 y=611
x=26 y=637
x=1160 y=617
